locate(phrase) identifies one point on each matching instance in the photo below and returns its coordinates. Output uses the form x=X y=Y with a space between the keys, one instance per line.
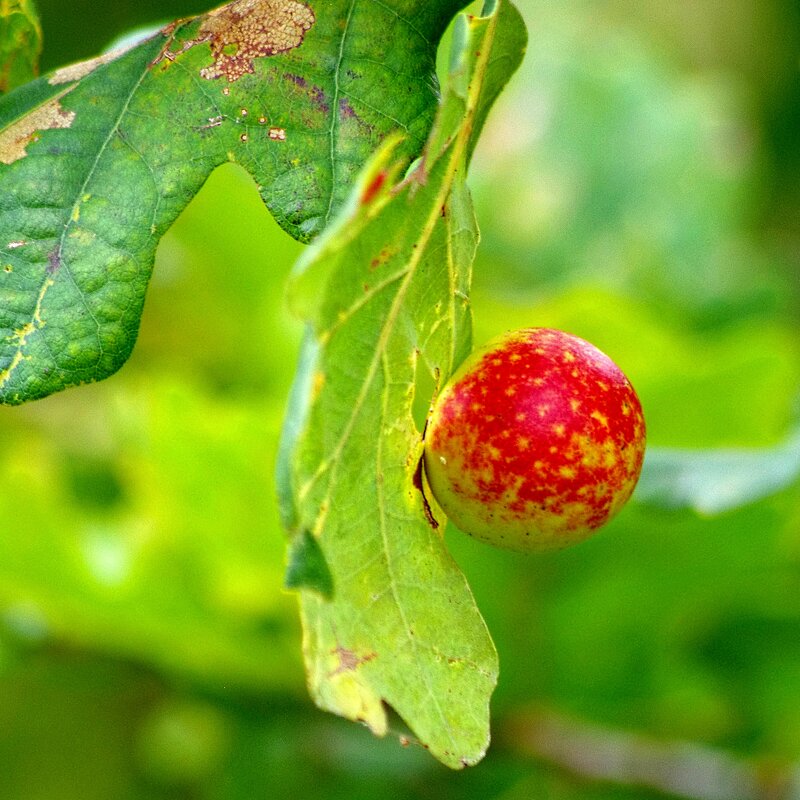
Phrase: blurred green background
x=637 y=185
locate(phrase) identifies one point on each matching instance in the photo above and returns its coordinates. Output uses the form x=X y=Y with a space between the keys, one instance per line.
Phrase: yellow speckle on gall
x=535 y=442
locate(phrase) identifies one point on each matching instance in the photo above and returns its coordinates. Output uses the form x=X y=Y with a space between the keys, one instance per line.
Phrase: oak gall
x=535 y=442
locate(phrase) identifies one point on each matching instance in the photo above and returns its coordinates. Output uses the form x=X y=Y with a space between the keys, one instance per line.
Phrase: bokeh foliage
x=21 y=37
x=632 y=189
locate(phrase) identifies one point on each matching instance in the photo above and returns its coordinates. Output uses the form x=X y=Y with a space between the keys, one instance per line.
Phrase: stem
x=683 y=769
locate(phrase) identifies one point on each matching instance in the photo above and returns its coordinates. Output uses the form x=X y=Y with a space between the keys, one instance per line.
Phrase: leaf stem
x=681 y=769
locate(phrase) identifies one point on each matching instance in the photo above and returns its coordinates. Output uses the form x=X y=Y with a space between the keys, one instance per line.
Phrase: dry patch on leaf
x=349 y=661
x=74 y=72
x=243 y=31
x=16 y=137
x=248 y=29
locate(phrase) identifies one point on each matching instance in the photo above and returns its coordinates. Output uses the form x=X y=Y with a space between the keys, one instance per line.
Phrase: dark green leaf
x=98 y=159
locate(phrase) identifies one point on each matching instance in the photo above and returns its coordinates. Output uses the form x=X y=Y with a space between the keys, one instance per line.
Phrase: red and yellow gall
x=536 y=441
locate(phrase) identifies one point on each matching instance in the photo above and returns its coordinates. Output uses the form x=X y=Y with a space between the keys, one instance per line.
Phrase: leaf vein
x=393 y=582
x=335 y=110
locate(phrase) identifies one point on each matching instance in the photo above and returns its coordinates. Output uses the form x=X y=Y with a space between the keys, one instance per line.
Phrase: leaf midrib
x=332 y=131
x=456 y=156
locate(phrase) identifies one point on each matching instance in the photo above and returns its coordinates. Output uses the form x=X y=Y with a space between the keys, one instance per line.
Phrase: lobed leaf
x=385 y=293
x=98 y=159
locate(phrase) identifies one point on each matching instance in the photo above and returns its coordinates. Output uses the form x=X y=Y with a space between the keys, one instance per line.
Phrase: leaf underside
x=98 y=159
x=385 y=293
x=715 y=481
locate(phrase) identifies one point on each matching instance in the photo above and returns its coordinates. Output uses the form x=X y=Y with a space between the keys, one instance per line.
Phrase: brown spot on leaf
x=54 y=262
x=298 y=80
x=346 y=110
x=15 y=138
x=318 y=98
x=349 y=661
x=213 y=122
x=348 y=114
x=244 y=30
x=382 y=258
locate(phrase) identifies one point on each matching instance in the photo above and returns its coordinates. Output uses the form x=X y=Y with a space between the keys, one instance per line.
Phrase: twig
x=682 y=769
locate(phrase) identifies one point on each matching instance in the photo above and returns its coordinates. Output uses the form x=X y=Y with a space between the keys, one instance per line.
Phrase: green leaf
x=307 y=567
x=386 y=295
x=20 y=43
x=98 y=159
x=714 y=481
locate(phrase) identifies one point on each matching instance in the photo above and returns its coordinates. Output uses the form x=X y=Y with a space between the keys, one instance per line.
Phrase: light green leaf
x=386 y=295
x=20 y=43
x=98 y=159
x=714 y=481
